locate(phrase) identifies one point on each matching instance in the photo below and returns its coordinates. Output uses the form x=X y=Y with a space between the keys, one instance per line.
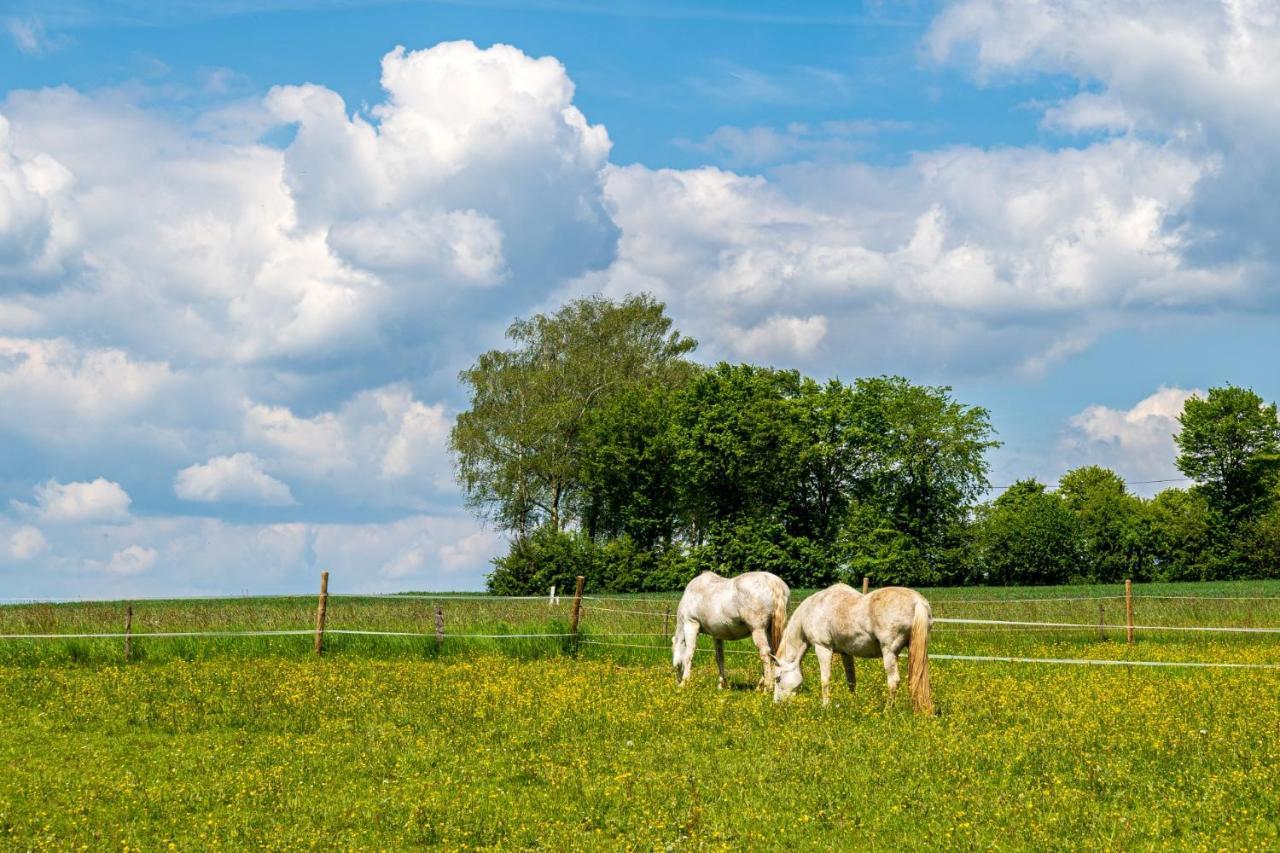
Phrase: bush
x=546 y=557
x=755 y=545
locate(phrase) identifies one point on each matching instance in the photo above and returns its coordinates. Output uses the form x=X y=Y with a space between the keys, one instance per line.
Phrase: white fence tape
x=1091 y=662
x=1003 y=659
x=159 y=634
x=597 y=607
x=1095 y=626
x=291 y=633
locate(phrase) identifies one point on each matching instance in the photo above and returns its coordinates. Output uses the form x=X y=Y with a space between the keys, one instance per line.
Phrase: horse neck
x=793 y=644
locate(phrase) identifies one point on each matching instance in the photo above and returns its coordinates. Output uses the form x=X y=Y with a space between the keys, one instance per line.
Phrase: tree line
x=603 y=450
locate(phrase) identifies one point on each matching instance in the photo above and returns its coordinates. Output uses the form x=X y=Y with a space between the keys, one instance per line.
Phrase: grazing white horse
x=752 y=604
x=879 y=624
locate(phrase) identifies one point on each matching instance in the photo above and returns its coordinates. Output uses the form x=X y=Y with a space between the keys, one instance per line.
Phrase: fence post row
x=1128 y=606
x=320 y=611
x=439 y=627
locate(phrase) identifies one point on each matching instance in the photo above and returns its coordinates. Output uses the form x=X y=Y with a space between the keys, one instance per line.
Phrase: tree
x=1107 y=518
x=519 y=445
x=1028 y=536
x=1179 y=535
x=738 y=446
x=629 y=485
x=1229 y=444
x=928 y=455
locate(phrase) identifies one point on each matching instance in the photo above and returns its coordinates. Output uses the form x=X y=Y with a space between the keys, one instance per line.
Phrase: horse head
x=786 y=678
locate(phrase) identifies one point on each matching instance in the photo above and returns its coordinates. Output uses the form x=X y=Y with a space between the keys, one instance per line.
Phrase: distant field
x=389 y=742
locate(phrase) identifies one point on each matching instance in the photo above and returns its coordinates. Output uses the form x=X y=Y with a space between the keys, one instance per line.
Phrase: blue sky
x=245 y=247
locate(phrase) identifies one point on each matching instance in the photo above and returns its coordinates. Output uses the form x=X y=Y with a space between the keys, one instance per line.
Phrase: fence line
x=634 y=612
x=289 y=633
x=660 y=648
x=941 y=601
x=1096 y=625
x=1004 y=659
x=444 y=597
x=158 y=634
x=415 y=596
x=1101 y=662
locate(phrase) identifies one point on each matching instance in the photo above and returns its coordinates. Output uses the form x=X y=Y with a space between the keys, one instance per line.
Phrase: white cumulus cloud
x=80 y=503
x=134 y=560
x=239 y=478
x=1137 y=442
x=26 y=542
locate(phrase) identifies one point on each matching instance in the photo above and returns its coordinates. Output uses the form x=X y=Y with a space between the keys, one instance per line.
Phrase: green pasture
x=395 y=743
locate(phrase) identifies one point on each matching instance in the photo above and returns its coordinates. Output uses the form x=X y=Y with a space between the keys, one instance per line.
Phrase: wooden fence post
x=128 y=633
x=321 y=610
x=866 y=584
x=1128 y=606
x=439 y=627
x=577 y=606
x=551 y=599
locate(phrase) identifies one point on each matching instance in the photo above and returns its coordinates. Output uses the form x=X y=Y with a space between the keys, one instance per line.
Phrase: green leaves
x=1230 y=445
x=519 y=444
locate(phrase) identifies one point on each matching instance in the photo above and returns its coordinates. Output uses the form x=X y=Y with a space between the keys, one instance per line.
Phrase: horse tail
x=778 y=620
x=918 y=660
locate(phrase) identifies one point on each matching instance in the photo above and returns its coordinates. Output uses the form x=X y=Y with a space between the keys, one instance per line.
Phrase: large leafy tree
x=1178 y=532
x=1028 y=536
x=927 y=454
x=1229 y=443
x=519 y=445
x=628 y=468
x=738 y=446
x=1109 y=520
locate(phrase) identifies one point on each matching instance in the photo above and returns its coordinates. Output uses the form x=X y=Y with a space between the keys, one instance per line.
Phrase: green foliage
x=928 y=454
x=607 y=454
x=545 y=558
x=1261 y=550
x=1230 y=445
x=1029 y=536
x=738 y=446
x=871 y=546
x=629 y=483
x=519 y=444
x=1109 y=524
x=1178 y=535
x=761 y=545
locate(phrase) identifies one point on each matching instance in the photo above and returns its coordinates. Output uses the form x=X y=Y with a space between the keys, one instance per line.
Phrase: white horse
x=879 y=624
x=752 y=604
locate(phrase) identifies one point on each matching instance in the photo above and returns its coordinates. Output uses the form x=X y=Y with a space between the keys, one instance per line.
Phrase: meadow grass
x=392 y=743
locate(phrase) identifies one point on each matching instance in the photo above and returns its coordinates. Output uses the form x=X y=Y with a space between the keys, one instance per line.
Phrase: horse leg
x=724 y=680
x=761 y=638
x=823 y=654
x=849 y=674
x=890 y=657
x=690 y=643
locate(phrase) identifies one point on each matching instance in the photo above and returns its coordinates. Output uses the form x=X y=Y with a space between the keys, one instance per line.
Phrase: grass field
x=391 y=743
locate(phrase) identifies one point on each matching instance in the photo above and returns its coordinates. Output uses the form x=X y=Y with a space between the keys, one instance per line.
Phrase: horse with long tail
x=752 y=605
x=880 y=624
